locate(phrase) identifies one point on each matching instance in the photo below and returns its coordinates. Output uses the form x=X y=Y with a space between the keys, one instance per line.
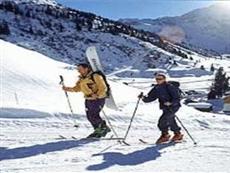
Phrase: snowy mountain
x=49 y=2
x=34 y=113
x=206 y=28
x=64 y=34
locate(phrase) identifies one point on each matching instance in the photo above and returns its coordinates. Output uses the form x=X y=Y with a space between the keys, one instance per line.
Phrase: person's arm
x=86 y=89
x=151 y=96
x=76 y=88
x=102 y=88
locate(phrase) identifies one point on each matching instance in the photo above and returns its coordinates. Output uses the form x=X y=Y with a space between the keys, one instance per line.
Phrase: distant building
x=227 y=104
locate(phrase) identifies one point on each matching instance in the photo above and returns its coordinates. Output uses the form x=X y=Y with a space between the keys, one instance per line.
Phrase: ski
x=101 y=139
x=169 y=142
x=142 y=141
x=120 y=140
x=93 y=58
x=61 y=137
x=85 y=138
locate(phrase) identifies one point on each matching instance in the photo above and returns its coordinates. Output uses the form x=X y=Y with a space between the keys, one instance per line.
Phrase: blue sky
x=116 y=9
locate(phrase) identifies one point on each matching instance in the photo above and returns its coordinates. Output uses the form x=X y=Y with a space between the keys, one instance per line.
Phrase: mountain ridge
x=64 y=34
x=205 y=28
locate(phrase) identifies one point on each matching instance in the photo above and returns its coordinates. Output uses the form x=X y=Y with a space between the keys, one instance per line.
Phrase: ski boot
x=178 y=136
x=104 y=129
x=100 y=131
x=165 y=136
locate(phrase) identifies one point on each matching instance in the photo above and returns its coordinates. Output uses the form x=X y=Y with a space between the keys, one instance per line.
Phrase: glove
x=64 y=88
x=141 y=95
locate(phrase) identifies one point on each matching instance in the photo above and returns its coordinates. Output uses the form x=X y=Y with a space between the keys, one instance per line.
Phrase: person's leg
x=174 y=126
x=171 y=118
x=163 y=125
x=93 y=108
x=93 y=114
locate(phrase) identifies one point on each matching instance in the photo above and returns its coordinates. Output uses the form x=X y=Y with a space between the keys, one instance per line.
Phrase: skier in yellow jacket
x=94 y=88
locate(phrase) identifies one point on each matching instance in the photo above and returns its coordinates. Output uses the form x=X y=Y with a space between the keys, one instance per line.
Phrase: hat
x=160 y=74
x=84 y=64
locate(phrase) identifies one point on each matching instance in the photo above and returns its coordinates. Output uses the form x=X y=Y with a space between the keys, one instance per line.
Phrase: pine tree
x=78 y=26
x=28 y=13
x=4 y=28
x=175 y=63
x=90 y=25
x=212 y=68
x=202 y=67
x=221 y=82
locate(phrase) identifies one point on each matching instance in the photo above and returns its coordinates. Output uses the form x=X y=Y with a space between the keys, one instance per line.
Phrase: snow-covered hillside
x=64 y=34
x=31 y=80
x=206 y=28
x=34 y=113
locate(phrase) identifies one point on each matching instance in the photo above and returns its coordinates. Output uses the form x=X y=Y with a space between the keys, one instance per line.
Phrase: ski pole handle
x=141 y=95
x=62 y=80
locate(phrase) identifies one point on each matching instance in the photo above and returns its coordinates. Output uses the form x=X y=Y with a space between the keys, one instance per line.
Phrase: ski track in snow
x=29 y=130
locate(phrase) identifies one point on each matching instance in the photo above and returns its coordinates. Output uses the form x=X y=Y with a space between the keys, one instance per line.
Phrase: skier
x=169 y=99
x=94 y=89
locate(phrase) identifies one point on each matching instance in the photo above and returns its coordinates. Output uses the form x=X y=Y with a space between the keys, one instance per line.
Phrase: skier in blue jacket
x=169 y=99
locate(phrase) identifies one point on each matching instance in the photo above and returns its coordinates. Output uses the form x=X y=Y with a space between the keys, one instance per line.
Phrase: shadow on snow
x=28 y=151
x=7 y=112
x=134 y=158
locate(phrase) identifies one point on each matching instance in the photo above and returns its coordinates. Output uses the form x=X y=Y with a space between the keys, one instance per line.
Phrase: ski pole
x=186 y=130
x=68 y=101
x=109 y=123
x=111 y=126
x=134 y=113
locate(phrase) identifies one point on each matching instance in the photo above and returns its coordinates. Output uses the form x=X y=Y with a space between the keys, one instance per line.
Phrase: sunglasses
x=159 y=78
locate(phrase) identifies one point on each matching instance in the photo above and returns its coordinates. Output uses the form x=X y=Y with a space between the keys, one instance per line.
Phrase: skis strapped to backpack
x=93 y=58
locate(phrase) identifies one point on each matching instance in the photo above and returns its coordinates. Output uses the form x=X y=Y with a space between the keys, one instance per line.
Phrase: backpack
x=105 y=80
x=176 y=84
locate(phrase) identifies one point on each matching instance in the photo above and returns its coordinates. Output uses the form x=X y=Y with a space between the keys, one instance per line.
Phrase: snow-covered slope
x=28 y=79
x=31 y=80
x=64 y=34
x=34 y=113
x=206 y=28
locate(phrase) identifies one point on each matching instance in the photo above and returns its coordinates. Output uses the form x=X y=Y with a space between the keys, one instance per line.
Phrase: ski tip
x=142 y=141
x=124 y=142
x=61 y=137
